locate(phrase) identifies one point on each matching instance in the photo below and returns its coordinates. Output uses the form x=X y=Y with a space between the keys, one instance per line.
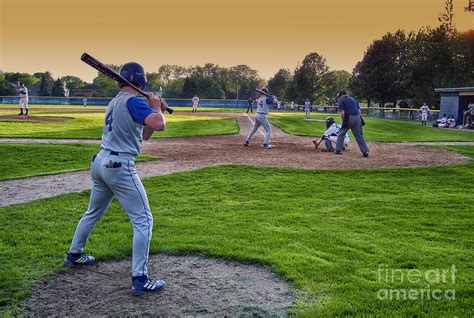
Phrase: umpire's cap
x=341 y=93
x=134 y=73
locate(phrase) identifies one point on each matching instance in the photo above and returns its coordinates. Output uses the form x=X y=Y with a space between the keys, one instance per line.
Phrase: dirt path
x=189 y=153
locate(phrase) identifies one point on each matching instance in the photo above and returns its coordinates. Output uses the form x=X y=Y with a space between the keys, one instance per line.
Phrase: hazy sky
x=40 y=35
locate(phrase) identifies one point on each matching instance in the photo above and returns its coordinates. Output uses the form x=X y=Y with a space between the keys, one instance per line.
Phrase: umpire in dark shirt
x=250 y=106
x=350 y=116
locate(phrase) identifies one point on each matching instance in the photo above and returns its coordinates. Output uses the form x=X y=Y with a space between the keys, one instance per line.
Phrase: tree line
x=310 y=80
x=405 y=68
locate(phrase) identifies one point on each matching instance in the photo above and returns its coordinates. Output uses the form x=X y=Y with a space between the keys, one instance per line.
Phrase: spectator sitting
x=451 y=122
x=441 y=123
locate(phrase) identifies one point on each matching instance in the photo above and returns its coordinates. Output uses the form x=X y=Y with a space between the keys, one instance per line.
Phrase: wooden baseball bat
x=108 y=71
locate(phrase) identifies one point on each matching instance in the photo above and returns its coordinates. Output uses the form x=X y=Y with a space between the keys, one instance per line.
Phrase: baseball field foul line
x=253 y=123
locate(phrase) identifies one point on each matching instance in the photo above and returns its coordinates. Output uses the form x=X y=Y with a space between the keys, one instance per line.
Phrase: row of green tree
x=47 y=85
x=407 y=67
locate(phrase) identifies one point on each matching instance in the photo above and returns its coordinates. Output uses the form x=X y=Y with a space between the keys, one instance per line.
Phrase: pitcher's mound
x=34 y=118
x=196 y=286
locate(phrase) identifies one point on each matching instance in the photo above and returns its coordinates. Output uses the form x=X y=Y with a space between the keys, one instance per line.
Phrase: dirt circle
x=196 y=287
x=35 y=118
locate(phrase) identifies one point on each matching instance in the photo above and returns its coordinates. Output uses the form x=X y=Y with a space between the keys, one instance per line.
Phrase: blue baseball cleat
x=78 y=259
x=142 y=284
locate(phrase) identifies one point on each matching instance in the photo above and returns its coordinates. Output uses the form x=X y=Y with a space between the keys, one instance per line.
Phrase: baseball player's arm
x=342 y=115
x=155 y=121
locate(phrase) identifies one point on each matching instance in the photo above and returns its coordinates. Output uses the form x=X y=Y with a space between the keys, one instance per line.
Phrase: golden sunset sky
x=40 y=35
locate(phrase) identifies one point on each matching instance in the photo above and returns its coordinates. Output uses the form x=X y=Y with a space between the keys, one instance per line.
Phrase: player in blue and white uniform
x=424 y=110
x=330 y=136
x=128 y=120
x=23 y=94
x=263 y=106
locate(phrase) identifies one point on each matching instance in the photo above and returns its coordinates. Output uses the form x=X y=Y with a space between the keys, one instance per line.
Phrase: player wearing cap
x=424 y=110
x=128 y=120
x=263 y=106
x=23 y=94
x=195 y=101
x=307 y=109
x=349 y=112
x=330 y=136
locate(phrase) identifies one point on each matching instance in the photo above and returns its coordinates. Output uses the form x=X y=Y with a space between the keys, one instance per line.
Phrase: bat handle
x=169 y=110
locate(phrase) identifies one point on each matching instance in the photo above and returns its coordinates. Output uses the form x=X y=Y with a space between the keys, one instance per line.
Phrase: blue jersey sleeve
x=342 y=105
x=269 y=100
x=139 y=109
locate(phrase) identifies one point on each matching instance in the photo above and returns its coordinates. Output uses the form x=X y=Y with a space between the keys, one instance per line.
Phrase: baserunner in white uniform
x=263 y=106
x=23 y=94
x=424 y=110
x=128 y=120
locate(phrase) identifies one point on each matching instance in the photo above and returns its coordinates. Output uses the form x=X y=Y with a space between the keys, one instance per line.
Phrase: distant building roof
x=454 y=90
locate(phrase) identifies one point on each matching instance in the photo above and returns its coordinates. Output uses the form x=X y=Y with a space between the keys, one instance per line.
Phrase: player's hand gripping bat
x=108 y=71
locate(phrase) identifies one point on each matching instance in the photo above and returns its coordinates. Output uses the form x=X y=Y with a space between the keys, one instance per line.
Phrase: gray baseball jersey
x=263 y=106
x=114 y=175
x=121 y=133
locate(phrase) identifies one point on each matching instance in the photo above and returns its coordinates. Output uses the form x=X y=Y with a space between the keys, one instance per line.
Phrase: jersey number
x=109 y=120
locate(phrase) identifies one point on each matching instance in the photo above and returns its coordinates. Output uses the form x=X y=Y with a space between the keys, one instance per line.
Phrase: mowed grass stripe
x=89 y=126
x=326 y=231
x=377 y=129
x=28 y=160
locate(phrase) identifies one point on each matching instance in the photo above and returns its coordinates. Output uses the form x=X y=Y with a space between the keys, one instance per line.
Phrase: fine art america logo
x=433 y=283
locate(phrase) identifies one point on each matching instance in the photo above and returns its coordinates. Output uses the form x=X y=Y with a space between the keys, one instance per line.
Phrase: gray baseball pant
x=260 y=120
x=355 y=125
x=123 y=183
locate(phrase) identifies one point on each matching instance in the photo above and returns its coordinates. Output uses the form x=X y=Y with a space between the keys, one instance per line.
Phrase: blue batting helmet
x=134 y=73
x=262 y=90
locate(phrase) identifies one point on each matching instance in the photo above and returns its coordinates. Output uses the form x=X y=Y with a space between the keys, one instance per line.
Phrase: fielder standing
x=424 y=110
x=263 y=106
x=195 y=103
x=349 y=112
x=128 y=120
x=23 y=94
x=307 y=109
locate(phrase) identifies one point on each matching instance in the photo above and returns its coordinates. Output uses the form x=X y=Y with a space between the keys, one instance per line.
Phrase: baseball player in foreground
x=23 y=94
x=195 y=101
x=349 y=112
x=330 y=136
x=424 y=110
x=128 y=120
x=263 y=106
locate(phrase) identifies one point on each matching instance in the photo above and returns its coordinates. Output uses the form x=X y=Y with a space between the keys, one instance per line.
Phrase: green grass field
x=78 y=107
x=27 y=160
x=89 y=125
x=36 y=106
x=377 y=129
x=327 y=231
